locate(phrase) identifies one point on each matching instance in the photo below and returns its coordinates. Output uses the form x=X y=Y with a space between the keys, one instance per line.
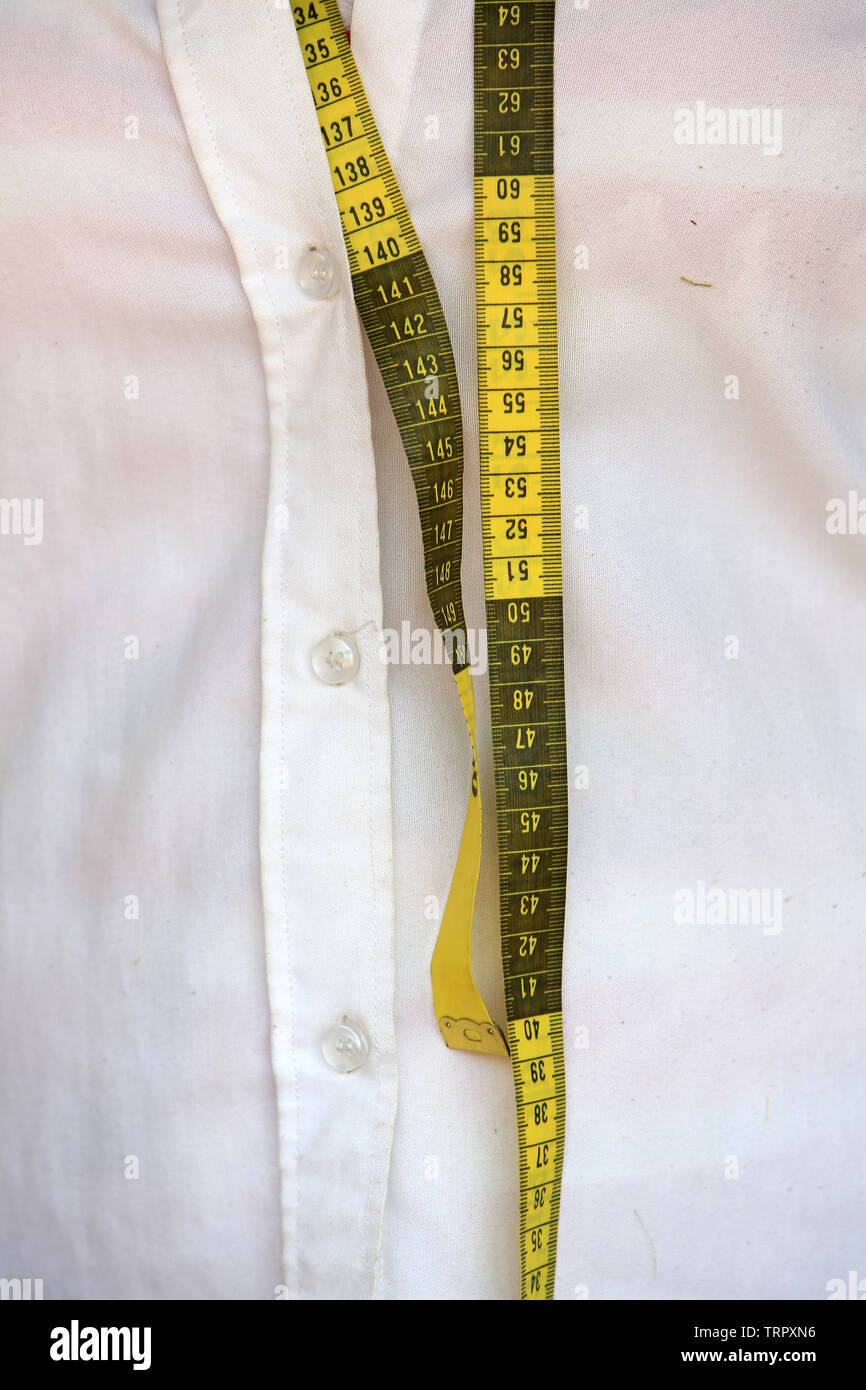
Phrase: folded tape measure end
x=473 y=1035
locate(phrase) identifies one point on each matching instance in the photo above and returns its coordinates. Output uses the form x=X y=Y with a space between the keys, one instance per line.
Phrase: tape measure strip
x=405 y=324
x=515 y=249
x=403 y=318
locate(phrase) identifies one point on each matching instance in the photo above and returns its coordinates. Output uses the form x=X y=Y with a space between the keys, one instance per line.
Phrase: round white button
x=336 y=659
x=317 y=273
x=344 y=1047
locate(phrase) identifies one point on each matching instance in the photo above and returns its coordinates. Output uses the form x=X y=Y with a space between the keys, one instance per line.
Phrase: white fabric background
x=260 y=446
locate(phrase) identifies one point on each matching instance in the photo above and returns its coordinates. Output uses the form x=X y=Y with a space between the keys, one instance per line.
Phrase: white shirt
x=209 y=856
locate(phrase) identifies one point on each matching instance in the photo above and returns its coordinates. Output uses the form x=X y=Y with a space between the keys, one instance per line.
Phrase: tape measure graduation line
x=400 y=309
x=515 y=254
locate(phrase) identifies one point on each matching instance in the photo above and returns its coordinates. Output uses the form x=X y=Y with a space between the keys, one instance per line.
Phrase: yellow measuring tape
x=519 y=418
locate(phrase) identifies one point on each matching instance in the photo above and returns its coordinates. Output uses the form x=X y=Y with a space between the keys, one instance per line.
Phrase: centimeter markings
x=403 y=318
x=519 y=420
x=399 y=307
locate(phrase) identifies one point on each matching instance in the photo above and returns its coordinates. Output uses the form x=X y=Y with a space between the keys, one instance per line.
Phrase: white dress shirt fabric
x=210 y=857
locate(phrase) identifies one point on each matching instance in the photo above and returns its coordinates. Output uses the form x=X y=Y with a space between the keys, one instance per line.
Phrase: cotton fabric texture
x=209 y=856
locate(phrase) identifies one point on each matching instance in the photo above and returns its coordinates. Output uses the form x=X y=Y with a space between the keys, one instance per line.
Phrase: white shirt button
x=344 y=1047
x=317 y=273
x=336 y=659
